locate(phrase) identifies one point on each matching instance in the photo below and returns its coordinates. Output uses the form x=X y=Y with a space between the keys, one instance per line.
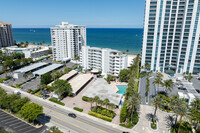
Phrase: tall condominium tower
x=6 y=35
x=171 y=40
x=67 y=40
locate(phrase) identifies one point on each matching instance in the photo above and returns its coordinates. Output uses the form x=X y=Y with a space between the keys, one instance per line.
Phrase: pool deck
x=114 y=85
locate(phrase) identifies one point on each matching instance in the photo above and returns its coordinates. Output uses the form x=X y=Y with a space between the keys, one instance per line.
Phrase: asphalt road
x=59 y=115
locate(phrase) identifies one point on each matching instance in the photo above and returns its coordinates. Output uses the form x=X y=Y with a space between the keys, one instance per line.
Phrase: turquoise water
x=115 y=38
x=122 y=89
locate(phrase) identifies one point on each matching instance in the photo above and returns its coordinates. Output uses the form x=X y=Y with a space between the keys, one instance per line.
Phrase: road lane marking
x=78 y=121
x=68 y=122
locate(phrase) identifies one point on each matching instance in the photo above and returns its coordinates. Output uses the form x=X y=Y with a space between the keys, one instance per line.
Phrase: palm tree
x=190 y=77
x=147 y=65
x=112 y=106
x=194 y=113
x=76 y=57
x=182 y=111
x=96 y=98
x=91 y=101
x=127 y=51
x=100 y=102
x=158 y=80
x=157 y=102
x=106 y=102
x=168 y=84
x=133 y=103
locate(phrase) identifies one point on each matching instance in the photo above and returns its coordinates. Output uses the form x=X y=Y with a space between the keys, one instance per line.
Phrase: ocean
x=115 y=38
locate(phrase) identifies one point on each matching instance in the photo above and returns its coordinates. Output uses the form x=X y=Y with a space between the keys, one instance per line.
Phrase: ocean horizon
x=115 y=38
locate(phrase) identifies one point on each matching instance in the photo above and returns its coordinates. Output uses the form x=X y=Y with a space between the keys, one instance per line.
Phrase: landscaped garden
x=129 y=111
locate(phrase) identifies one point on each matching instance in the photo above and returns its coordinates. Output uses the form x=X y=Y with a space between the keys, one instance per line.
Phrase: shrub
x=100 y=116
x=2 y=79
x=35 y=91
x=153 y=126
x=85 y=99
x=56 y=101
x=78 y=109
x=103 y=111
x=38 y=94
x=129 y=125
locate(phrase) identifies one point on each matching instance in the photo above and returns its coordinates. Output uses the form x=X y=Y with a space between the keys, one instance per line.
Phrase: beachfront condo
x=67 y=40
x=108 y=61
x=6 y=35
x=171 y=36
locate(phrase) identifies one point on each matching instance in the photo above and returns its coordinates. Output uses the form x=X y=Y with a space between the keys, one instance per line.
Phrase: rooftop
x=79 y=81
x=30 y=67
x=102 y=89
x=47 y=69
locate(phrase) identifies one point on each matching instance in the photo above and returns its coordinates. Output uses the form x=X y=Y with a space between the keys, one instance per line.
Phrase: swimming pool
x=122 y=89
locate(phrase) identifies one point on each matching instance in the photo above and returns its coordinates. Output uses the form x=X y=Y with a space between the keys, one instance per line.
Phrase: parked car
x=198 y=78
x=16 y=92
x=72 y=115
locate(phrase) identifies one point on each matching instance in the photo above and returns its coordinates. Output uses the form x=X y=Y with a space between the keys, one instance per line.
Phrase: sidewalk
x=143 y=125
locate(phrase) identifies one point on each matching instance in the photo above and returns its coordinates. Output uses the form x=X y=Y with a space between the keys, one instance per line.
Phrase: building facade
x=6 y=35
x=67 y=40
x=171 y=40
x=106 y=60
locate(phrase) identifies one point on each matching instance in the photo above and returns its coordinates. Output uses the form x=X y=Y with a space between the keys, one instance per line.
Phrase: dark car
x=72 y=115
x=198 y=78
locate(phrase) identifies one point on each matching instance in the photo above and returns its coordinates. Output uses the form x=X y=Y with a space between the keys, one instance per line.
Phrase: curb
x=154 y=130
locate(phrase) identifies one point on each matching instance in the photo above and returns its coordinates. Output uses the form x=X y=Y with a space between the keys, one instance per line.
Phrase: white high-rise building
x=103 y=59
x=6 y=35
x=67 y=40
x=171 y=40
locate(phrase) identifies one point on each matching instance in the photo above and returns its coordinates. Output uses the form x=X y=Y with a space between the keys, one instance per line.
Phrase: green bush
x=35 y=91
x=56 y=101
x=78 y=109
x=100 y=116
x=85 y=99
x=185 y=128
x=129 y=125
x=103 y=111
x=2 y=79
x=153 y=126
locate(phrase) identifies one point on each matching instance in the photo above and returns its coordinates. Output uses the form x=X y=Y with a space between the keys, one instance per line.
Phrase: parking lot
x=17 y=125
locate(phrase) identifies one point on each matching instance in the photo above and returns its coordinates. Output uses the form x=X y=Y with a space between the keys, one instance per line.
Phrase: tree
x=194 y=112
x=91 y=101
x=18 y=104
x=61 y=87
x=147 y=65
x=96 y=98
x=76 y=58
x=157 y=102
x=43 y=42
x=182 y=111
x=46 y=78
x=106 y=102
x=31 y=111
x=133 y=103
x=190 y=77
x=168 y=84
x=127 y=51
x=55 y=129
x=66 y=70
x=56 y=74
x=112 y=106
x=158 y=80
x=124 y=75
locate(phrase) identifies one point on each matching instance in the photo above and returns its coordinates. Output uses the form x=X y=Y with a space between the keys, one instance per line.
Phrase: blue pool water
x=122 y=89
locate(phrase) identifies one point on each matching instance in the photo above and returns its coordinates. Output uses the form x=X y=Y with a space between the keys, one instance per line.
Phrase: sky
x=92 y=13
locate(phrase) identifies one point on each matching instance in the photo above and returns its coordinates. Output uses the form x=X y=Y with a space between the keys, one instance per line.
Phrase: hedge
x=104 y=111
x=35 y=91
x=100 y=116
x=56 y=101
x=78 y=109
x=2 y=79
x=85 y=99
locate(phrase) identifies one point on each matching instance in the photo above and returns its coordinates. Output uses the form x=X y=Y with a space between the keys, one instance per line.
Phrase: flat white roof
x=102 y=89
x=182 y=95
x=191 y=95
x=47 y=69
x=30 y=67
x=66 y=76
x=79 y=81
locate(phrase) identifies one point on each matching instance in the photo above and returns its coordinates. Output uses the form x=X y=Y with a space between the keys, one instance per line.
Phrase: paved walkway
x=143 y=125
